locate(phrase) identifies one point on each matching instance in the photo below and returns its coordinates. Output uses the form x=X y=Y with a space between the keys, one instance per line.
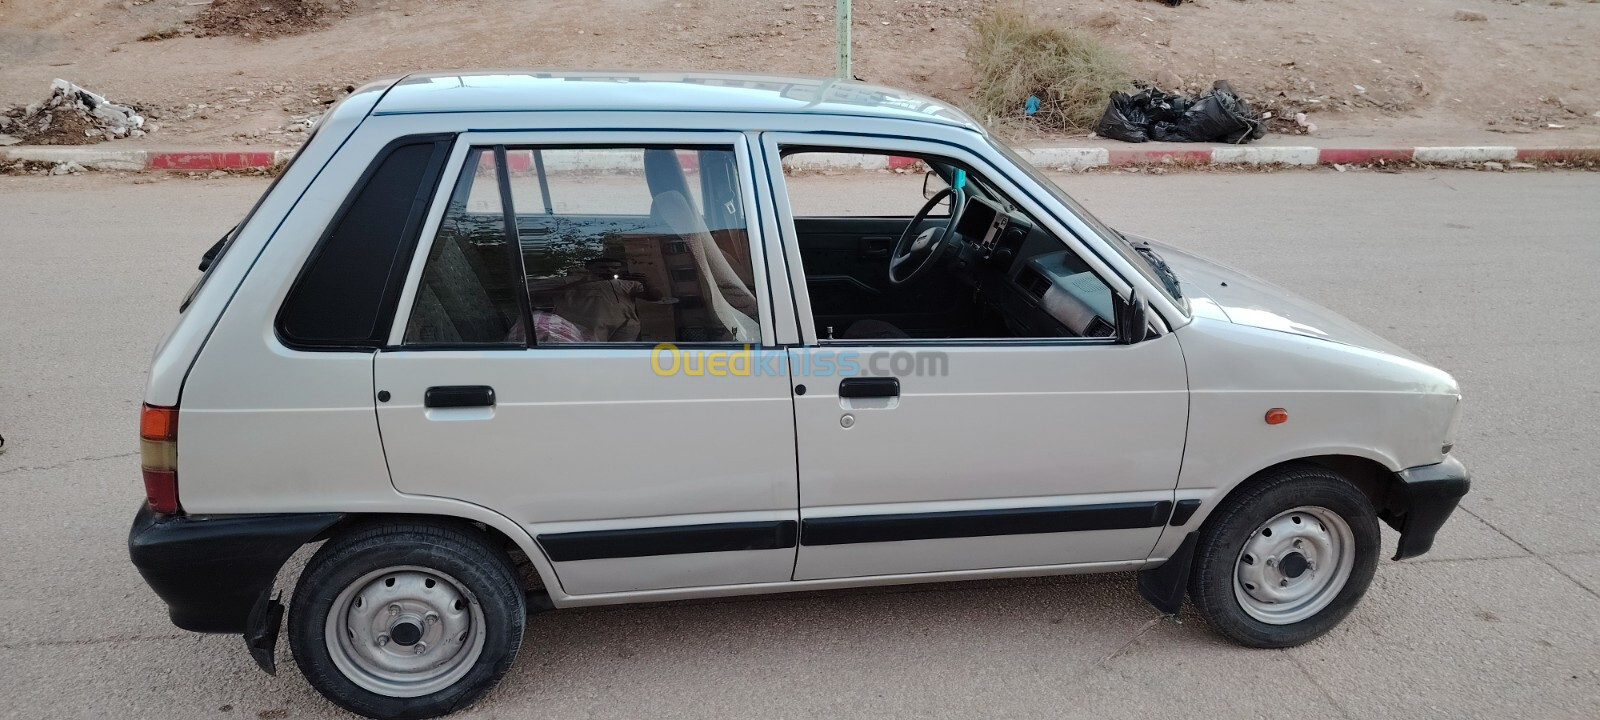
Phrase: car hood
x=1244 y=299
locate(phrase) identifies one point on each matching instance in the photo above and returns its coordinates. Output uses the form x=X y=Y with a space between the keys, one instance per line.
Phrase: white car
x=506 y=342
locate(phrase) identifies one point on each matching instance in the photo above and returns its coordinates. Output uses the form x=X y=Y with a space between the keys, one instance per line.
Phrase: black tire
x=457 y=551
x=1222 y=540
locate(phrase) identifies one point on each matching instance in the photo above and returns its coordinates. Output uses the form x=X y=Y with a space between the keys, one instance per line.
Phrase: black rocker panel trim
x=983 y=523
x=675 y=540
x=1184 y=511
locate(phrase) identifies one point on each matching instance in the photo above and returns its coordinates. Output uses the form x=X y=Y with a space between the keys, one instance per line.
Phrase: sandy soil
x=1368 y=68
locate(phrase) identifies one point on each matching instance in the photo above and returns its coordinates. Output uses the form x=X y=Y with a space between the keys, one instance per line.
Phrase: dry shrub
x=1015 y=56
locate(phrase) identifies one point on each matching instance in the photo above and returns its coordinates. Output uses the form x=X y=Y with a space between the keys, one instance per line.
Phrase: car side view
x=505 y=342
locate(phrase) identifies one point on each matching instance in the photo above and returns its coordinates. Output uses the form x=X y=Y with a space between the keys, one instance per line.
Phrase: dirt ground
x=1379 y=69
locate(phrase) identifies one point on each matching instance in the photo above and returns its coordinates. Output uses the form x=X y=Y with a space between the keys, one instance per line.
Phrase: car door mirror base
x=1133 y=318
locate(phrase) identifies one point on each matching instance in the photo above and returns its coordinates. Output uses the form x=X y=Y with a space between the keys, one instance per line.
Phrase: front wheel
x=1287 y=559
x=412 y=620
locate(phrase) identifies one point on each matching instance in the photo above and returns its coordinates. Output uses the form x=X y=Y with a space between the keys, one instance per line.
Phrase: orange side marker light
x=1277 y=416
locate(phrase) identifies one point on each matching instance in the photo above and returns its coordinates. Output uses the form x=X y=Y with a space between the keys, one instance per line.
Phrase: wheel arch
x=534 y=577
x=1372 y=477
x=1165 y=585
x=355 y=522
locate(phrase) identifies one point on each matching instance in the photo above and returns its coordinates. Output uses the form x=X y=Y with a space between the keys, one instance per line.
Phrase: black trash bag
x=1130 y=117
x=1122 y=120
x=1161 y=106
x=1218 y=116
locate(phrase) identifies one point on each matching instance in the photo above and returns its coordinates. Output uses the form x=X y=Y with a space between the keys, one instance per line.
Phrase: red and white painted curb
x=123 y=159
x=1058 y=158
x=1083 y=158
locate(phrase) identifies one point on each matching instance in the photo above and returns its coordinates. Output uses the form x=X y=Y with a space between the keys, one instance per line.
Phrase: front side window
x=612 y=245
x=932 y=252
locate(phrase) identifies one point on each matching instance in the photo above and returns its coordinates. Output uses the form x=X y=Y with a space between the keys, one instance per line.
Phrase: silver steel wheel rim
x=1294 y=565
x=405 y=631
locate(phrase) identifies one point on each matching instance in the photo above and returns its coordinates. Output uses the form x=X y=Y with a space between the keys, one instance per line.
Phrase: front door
x=530 y=371
x=1015 y=435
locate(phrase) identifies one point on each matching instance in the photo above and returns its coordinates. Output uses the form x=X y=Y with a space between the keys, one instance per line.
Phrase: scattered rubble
x=71 y=115
x=39 y=167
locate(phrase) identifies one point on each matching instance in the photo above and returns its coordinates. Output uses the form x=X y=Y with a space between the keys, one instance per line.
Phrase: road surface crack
x=58 y=465
x=87 y=641
x=1313 y=679
x=1136 y=635
x=1530 y=551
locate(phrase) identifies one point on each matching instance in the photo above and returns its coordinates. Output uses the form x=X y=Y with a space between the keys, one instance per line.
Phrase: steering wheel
x=931 y=243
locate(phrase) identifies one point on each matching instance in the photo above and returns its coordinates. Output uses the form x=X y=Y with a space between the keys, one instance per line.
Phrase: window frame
x=565 y=139
x=787 y=151
x=779 y=144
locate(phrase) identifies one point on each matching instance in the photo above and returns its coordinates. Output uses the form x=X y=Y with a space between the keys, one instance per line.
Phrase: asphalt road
x=1490 y=276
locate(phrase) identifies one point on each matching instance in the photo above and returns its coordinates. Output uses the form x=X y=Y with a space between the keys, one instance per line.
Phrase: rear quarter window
x=345 y=295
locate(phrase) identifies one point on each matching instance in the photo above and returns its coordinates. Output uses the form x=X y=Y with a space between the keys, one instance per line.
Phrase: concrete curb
x=1058 y=158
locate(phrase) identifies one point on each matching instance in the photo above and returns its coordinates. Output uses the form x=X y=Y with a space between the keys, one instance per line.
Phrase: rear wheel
x=1287 y=559
x=406 y=620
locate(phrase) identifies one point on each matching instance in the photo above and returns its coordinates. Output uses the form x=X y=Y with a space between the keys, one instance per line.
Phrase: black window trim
x=410 y=235
x=519 y=263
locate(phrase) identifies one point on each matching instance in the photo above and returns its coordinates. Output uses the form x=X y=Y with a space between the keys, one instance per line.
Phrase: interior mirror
x=932 y=184
x=1133 y=318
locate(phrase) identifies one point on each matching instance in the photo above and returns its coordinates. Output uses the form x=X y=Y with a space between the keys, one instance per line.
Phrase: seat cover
x=732 y=303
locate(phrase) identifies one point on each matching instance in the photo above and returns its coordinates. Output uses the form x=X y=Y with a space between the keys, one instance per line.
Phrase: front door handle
x=876 y=246
x=878 y=387
x=458 y=396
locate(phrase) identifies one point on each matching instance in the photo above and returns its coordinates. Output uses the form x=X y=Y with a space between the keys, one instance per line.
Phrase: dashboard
x=1049 y=292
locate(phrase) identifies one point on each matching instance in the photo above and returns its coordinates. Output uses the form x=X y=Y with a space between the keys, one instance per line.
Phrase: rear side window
x=345 y=295
x=593 y=244
x=468 y=293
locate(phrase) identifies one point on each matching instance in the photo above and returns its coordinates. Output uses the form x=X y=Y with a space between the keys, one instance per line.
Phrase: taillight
x=158 y=456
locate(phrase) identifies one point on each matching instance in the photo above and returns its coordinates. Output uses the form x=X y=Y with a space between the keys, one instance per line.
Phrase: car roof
x=628 y=91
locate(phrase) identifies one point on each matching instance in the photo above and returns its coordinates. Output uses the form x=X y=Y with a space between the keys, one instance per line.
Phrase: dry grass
x=1015 y=56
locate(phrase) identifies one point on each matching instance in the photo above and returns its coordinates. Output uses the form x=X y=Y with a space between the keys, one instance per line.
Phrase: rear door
x=540 y=376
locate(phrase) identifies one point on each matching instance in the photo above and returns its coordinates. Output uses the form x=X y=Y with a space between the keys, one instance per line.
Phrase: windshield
x=1145 y=262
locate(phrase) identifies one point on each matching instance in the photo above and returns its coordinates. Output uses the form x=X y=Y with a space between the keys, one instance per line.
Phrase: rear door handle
x=458 y=396
x=869 y=387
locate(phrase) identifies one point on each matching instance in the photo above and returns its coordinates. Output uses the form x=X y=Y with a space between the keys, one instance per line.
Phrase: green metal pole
x=842 y=21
